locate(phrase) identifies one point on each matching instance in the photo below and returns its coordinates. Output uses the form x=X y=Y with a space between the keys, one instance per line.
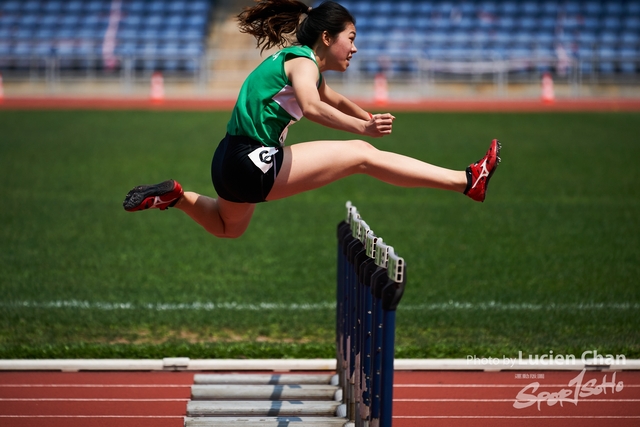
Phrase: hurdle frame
x=371 y=280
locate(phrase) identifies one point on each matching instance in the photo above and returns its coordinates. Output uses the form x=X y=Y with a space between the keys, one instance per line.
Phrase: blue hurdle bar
x=370 y=283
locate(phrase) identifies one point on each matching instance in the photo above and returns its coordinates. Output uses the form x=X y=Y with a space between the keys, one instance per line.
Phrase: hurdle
x=370 y=283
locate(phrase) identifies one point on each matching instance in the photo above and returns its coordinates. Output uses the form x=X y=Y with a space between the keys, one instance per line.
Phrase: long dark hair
x=274 y=22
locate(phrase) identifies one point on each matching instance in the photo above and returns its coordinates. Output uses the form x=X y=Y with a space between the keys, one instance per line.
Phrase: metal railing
x=409 y=68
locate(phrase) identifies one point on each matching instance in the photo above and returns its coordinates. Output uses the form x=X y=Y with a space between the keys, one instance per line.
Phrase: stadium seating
x=167 y=35
x=596 y=36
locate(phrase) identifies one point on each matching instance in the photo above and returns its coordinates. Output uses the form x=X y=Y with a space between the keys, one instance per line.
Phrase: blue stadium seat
x=98 y=6
x=156 y=7
x=508 y=8
x=606 y=54
x=401 y=22
x=468 y=8
x=421 y=23
x=196 y=20
x=43 y=48
x=613 y=7
x=608 y=38
x=149 y=34
x=175 y=20
x=611 y=23
x=630 y=38
x=528 y=23
x=154 y=21
x=506 y=23
x=128 y=33
x=22 y=48
x=632 y=22
x=170 y=34
x=52 y=7
x=591 y=23
x=44 y=33
x=31 y=6
x=547 y=22
x=572 y=8
x=177 y=6
x=438 y=37
x=406 y=8
x=630 y=60
x=73 y=7
x=5 y=47
x=424 y=8
x=23 y=34
x=11 y=7
x=6 y=33
x=632 y=8
x=550 y=8
x=445 y=8
x=489 y=7
x=593 y=8
x=530 y=8
x=586 y=37
x=198 y=6
x=459 y=37
x=65 y=33
x=480 y=37
x=134 y=6
x=69 y=20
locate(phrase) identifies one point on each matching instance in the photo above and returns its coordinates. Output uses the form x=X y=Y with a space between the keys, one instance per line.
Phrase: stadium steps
x=265 y=399
x=235 y=54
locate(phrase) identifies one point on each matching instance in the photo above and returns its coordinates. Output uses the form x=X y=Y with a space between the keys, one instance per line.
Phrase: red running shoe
x=479 y=173
x=161 y=196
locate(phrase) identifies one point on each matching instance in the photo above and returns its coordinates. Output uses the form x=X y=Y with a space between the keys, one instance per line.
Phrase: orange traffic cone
x=548 y=94
x=157 y=87
x=380 y=90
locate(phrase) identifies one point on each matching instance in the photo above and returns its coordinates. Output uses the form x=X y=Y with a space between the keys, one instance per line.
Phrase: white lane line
x=96 y=385
x=507 y=400
x=87 y=399
x=486 y=385
x=516 y=417
x=326 y=305
x=173 y=417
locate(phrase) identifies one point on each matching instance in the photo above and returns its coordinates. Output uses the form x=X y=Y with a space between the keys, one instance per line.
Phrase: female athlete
x=252 y=164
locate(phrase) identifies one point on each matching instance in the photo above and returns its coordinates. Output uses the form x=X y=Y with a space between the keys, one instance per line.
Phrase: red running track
x=425 y=398
x=452 y=105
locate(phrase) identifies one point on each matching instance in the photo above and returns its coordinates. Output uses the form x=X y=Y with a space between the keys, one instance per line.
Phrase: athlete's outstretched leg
x=314 y=164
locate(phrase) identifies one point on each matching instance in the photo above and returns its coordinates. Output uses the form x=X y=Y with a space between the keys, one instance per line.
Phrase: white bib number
x=263 y=158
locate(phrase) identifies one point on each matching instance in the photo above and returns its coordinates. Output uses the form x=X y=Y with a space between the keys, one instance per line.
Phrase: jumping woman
x=252 y=164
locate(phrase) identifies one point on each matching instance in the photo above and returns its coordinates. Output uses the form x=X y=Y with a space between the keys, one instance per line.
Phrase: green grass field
x=550 y=262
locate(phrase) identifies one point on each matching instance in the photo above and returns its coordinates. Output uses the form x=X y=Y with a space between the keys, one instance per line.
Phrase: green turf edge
x=158 y=351
x=256 y=350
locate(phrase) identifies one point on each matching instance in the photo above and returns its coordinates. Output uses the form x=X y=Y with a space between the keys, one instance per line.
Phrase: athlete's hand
x=379 y=125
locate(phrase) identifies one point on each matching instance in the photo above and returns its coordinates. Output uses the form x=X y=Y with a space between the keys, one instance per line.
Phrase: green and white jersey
x=266 y=105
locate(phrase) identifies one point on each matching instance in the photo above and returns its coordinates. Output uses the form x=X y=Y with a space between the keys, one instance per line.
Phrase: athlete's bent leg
x=314 y=164
x=218 y=216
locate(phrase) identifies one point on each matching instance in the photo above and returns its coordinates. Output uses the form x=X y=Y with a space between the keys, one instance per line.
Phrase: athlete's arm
x=341 y=102
x=303 y=74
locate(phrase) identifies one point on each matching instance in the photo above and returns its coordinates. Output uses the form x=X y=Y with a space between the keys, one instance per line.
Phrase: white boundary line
x=88 y=399
x=317 y=306
x=284 y=365
x=516 y=417
x=96 y=416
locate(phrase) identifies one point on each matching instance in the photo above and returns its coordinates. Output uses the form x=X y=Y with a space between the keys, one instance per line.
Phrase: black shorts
x=243 y=170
